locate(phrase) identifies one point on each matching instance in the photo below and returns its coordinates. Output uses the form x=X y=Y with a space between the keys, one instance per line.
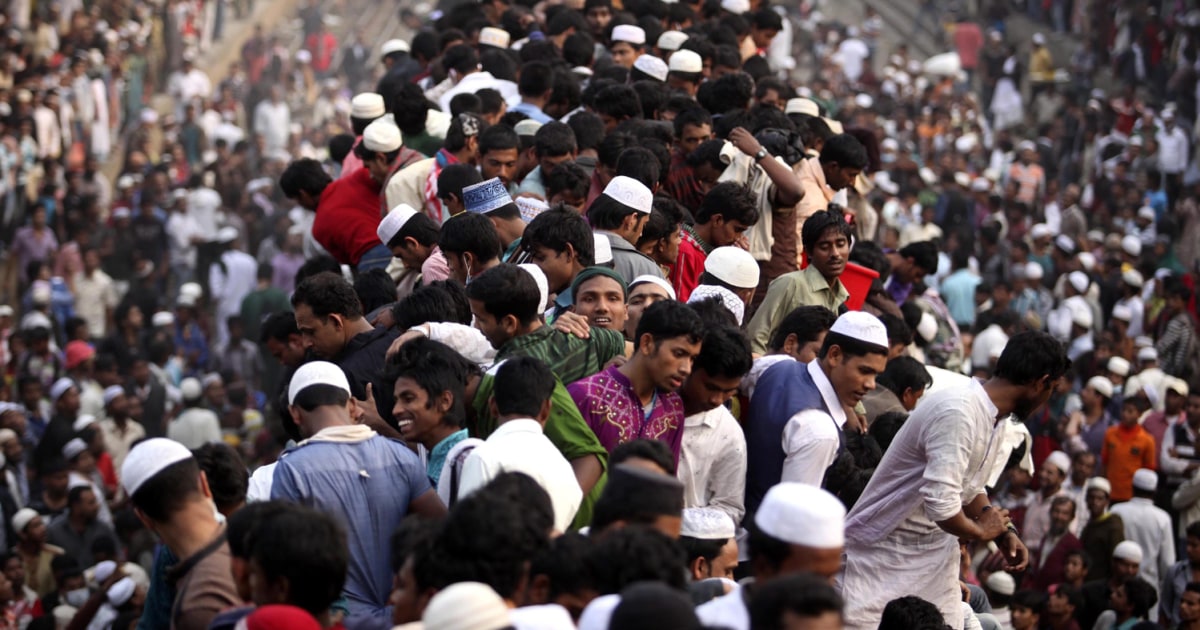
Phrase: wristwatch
x=762 y=153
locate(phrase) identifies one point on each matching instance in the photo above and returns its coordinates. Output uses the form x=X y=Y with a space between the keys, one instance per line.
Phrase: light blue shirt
x=437 y=457
x=532 y=111
x=958 y=292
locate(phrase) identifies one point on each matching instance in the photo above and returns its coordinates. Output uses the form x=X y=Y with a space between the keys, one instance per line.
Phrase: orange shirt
x=1125 y=451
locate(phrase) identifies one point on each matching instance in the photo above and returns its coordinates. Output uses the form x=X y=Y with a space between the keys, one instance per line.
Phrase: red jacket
x=685 y=273
x=322 y=46
x=348 y=216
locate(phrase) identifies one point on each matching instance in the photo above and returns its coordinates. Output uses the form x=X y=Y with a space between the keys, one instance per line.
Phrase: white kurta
x=939 y=461
x=1150 y=527
x=712 y=462
x=231 y=286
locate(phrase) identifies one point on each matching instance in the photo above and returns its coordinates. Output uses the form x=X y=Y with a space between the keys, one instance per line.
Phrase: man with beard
x=712 y=458
x=902 y=537
x=1050 y=558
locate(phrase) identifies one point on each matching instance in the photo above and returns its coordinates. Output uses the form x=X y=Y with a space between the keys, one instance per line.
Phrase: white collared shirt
x=712 y=462
x=811 y=442
x=521 y=446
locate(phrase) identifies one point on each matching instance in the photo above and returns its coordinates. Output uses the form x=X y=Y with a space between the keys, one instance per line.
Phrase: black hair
x=278 y=326
x=806 y=322
x=537 y=78
x=757 y=67
x=500 y=64
x=554 y=139
x=636 y=553
x=910 y=612
x=609 y=151
x=374 y=288
x=694 y=116
x=498 y=138
x=438 y=301
x=846 y=151
x=665 y=219
x=1193 y=587
x=245 y=521
x=618 y=102
x=641 y=164
x=471 y=233
x=522 y=490
x=820 y=222
x=226 y=474
x=425 y=45
x=903 y=373
x=420 y=228
x=668 y=319
x=898 y=332
x=556 y=228
x=75 y=495
x=454 y=178
x=319 y=395
x=734 y=202
x=522 y=385
x=589 y=130
x=643 y=448
x=494 y=555
x=730 y=92
x=314 y=266
x=567 y=178
x=706 y=548
x=1141 y=595
x=1031 y=355
x=923 y=253
x=456 y=136
x=491 y=101
x=327 y=294
x=725 y=352
x=561 y=19
x=303 y=175
x=565 y=564
x=607 y=213
x=435 y=368
x=169 y=490
x=507 y=290
x=797 y=595
x=307 y=549
x=1083 y=556
x=579 y=49
x=1034 y=601
x=652 y=94
x=416 y=532
x=709 y=152
x=410 y=108
x=461 y=58
x=712 y=310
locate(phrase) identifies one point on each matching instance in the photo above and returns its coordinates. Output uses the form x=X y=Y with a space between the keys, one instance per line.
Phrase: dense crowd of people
x=600 y=315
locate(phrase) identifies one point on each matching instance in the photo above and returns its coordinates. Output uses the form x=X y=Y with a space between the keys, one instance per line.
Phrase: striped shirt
x=569 y=357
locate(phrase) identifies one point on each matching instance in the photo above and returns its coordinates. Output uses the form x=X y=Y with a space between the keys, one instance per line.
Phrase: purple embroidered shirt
x=613 y=411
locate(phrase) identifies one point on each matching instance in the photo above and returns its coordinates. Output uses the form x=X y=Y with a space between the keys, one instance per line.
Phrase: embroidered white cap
x=530 y=207
x=23 y=518
x=527 y=128
x=707 y=523
x=60 y=387
x=149 y=458
x=1119 y=366
x=671 y=40
x=1098 y=483
x=652 y=66
x=1102 y=385
x=1059 y=460
x=1131 y=245
x=686 y=61
x=801 y=514
x=367 y=106
x=728 y=299
x=495 y=37
x=394 y=222
x=862 y=326
x=1079 y=280
x=734 y=266
x=486 y=196
x=629 y=192
x=656 y=281
x=383 y=136
x=543 y=284
x=603 y=249
x=801 y=105
x=393 y=46
x=1129 y=551
x=1145 y=479
x=227 y=234
x=73 y=448
x=736 y=6
x=629 y=33
x=316 y=373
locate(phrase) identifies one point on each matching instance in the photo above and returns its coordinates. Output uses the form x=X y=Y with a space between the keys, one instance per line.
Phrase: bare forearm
x=587 y=471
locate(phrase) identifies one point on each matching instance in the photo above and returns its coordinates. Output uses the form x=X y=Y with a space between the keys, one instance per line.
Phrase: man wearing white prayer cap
x=902 y=536
x=619 y=214
x=64 y=399
x=626 y=44
x=343 y=468
x=732 y=268
x=412 y=238
x=120 y=431
x=171 y=497
x=797 y=528
x=644 y=291
x=1051 y=475
x=806 y=406
x=1149 y=526
x=709 y=538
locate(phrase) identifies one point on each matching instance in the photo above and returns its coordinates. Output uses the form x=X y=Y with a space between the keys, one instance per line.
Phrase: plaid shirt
x=569 y=357
x=681 y=182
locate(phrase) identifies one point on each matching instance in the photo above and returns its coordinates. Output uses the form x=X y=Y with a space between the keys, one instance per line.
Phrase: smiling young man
x=639 y=399
x=599 y=295
x=806 y=405
x=430 y=409
x=826 y=238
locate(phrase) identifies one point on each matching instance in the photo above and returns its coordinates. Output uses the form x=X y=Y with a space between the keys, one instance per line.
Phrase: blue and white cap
x=486 y=196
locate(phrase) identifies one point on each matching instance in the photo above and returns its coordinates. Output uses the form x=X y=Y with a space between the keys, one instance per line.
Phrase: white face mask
x=77 y=597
